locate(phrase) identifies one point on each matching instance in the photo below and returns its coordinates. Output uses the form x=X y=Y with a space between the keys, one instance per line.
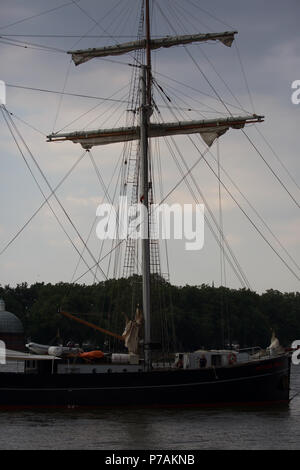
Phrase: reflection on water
x=136 y=428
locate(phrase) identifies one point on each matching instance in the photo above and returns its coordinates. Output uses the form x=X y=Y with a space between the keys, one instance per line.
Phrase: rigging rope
x=27 y=124
x=270 y=168
x=38 y=14
x=256 y=212
x=106 y=194
x=43 y=204
x=210 y=14
x=285 y=263
x=268 y=228
x=28 y=45
x=90 y=110
x=226 y=107
x=245 y=76
x=222 y=260
x=96 y=23
x=247 y=216
x=277 y=157
x=198 y=91
x=46 y=199
x=61 y=95
x=221 y=234
x=13 y=125
x=66 y=93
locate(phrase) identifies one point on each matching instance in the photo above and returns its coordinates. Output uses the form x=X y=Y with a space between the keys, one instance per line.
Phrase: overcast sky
x=267 y=51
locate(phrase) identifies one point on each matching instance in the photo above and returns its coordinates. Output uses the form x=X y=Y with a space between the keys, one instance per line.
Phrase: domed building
x=11 y=329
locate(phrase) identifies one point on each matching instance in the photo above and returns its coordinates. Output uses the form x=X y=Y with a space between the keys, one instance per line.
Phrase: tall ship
x=142 y=376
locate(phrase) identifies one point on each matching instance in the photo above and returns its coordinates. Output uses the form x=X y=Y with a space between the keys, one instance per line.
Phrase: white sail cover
x=131 y=333
x=22 y=356
x=51 y=350
x=209 y=130
x=83 y=55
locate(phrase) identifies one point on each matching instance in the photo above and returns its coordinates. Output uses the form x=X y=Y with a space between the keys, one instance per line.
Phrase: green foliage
x=201 y=316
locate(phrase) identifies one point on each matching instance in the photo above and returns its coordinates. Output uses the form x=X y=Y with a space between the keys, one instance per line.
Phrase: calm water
x=184 y=429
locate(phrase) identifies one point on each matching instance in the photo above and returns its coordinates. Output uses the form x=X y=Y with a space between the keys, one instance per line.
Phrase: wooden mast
x=144 y=189
x=148 y=52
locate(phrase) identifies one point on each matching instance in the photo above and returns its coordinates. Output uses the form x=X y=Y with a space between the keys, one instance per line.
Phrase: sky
x=255 y=74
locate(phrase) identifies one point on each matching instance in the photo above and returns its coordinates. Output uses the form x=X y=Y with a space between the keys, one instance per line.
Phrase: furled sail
x=131 y=332
x=83 y=55
x=209 y=130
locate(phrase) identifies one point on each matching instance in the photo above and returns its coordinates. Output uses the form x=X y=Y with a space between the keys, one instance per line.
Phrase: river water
x=155 y=429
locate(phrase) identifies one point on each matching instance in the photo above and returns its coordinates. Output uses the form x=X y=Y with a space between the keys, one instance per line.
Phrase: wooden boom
x=84 y=322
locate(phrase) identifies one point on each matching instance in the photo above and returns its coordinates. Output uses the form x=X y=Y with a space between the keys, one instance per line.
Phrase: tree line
x=185 y=317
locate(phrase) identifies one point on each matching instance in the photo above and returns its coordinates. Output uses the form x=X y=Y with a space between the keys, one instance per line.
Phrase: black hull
x=259 y=382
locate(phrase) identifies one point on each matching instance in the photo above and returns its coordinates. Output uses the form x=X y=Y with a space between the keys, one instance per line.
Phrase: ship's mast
x=148 y=51
x=144 y=192
x=145 y=112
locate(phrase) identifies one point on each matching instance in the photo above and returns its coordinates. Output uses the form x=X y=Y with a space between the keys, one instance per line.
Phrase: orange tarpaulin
x=91 y=355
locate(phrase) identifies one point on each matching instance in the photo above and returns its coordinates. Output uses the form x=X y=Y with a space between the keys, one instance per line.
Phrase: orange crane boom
x=84 y=322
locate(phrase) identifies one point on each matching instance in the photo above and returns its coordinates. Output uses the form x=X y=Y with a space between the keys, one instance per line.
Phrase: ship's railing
x=251 y=350
x=252 y=353
x=256 y=353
